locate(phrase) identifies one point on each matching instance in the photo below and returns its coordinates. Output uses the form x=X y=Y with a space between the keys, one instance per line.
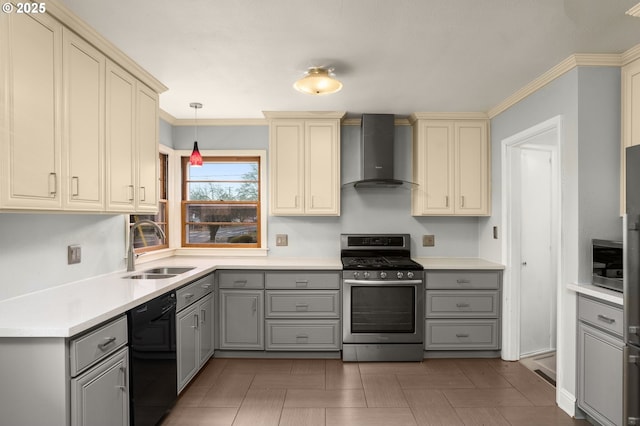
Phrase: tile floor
x=261 y=392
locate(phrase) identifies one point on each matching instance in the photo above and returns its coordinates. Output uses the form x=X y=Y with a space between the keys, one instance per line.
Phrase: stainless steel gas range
x=383 y=299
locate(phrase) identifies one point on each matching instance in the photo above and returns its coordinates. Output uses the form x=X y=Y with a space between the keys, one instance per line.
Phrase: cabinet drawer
x=296 y=279
x=600 y=314
x=289 y=335
x=98 y=344
x=463 y=280
x=303 y=303
x=457 y=304
x=462 y=334
x=194 y=291
x=240 y=279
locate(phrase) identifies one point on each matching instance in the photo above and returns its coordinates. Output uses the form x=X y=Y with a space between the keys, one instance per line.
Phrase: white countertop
x=70 y=309
x=457 y=263
x=597 y=292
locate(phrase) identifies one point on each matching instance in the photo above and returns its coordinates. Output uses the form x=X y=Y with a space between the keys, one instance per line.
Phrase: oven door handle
x=387 y=282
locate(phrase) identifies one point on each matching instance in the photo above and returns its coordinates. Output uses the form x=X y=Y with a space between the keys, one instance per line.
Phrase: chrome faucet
x=130 y=256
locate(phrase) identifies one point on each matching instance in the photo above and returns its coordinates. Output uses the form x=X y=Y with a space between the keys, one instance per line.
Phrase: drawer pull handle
x=462 y=305
x=206 y=286
x=188 y=295
x=461 y=335
x=302 y=306
x=302 y=283
x=196 y=321
x=606 y=319
x=463 y=281
x=240 y=283
x=634 y=359
x=302 y=336
x=107 y=341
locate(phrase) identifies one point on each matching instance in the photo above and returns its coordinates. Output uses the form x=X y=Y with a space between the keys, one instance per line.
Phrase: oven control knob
x=356 y=275
x=383 y=275
x=366 y=274
x=400 y=275
x=409 y=275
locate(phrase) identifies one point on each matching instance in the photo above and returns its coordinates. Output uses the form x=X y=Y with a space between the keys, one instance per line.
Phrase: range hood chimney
x=376 y=150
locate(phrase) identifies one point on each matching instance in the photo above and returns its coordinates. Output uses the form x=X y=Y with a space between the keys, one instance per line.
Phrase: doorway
x=531 y=244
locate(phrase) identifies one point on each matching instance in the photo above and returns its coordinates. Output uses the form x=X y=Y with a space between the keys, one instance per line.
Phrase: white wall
x=588 y=99
x=33 y=249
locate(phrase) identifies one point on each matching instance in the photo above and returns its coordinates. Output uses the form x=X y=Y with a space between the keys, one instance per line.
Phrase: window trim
x=176 y=205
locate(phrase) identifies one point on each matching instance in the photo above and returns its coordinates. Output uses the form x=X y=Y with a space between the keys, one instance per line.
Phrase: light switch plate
x=74 y=254
x=428 y=240
x=282 y=239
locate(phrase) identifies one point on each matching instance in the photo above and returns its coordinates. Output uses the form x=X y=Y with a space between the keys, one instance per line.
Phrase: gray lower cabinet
x=241 y=319
x=302 y=311
x=462 y=310
x=194 y=327
x=600 y=360
x=100 y=395
x=100 y=376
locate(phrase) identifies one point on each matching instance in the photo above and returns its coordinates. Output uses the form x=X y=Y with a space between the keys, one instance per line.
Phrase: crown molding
x=631 y=54
x=599 y=60
x=447 y=116
x=212 y=121
x=77 y=25
x=167 y=117
x=304 y=114
x=634 y=11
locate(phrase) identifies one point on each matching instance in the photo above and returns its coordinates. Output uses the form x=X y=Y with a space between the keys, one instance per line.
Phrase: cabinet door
x=286 y=157
x=83 y=134
x=241 y=319
x=101 y=396
x=207 y=327
x=187 y=331
x=322 y=167
x=120 y=142
x=147 y=152
x=30 y=119
x=433 y=169
x=472 y=168
x=600 y=375
x=630 y=120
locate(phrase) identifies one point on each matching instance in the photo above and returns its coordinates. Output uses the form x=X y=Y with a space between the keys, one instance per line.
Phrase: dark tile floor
x=261 y=392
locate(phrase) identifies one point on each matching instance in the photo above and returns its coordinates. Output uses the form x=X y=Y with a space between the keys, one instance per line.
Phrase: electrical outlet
x=282 y=240
x=74 y=254
x=428 y=240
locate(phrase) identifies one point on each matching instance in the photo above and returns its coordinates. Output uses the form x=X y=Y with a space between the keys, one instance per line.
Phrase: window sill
x=228 y=252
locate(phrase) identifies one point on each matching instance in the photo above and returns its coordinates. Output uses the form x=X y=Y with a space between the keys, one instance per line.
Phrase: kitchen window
x=145 y=238
x=221 y=202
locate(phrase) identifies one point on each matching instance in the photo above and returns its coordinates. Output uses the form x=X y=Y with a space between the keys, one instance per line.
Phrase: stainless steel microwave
x=607 y=258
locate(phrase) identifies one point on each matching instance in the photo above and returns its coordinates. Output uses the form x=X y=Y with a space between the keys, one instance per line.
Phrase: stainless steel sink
x=175 y=270
x=147 y=276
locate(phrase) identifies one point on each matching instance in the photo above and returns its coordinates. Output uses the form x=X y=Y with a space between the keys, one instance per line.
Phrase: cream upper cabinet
x=451 y=167
x=30 y=104
x=77 y=131
x=147 y=149
x=304 y=163
x=131 y=143
x=83 y=130
x=630 y=120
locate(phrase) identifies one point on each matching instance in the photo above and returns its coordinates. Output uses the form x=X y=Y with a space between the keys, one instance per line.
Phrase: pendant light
x=318 y=81
x=196 y=159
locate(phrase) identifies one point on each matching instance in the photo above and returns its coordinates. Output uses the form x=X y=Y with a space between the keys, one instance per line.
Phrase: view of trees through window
x=221 y=202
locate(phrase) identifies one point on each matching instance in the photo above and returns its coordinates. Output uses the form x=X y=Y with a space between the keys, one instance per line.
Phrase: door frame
x=511 y=237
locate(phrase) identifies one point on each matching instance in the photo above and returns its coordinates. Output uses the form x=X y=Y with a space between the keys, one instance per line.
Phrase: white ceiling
x=241 y=57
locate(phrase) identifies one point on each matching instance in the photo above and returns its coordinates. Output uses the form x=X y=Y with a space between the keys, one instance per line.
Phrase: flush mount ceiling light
x=195 y=159
x=318 y=81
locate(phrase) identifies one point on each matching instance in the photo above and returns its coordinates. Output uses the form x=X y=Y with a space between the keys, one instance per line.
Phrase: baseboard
x=566 y=401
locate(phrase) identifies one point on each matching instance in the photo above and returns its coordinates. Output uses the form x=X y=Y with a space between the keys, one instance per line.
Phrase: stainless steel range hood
x=377 y=136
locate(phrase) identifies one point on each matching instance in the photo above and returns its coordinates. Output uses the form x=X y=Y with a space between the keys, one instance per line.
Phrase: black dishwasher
x=152 y=356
